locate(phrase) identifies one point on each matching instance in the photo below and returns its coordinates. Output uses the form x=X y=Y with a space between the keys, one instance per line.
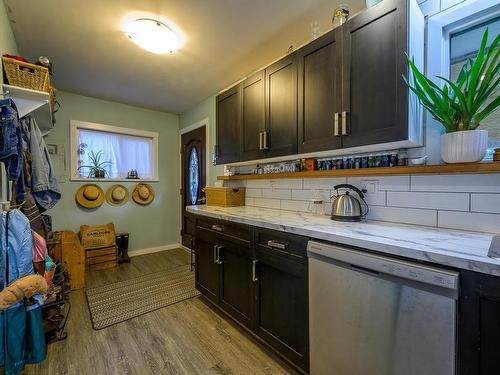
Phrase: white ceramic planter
x=464 y=146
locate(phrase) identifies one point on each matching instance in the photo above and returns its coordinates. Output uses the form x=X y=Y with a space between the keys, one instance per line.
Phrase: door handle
x=254 y=271
x=219 y=248
x=336 y=132
x=345 y=125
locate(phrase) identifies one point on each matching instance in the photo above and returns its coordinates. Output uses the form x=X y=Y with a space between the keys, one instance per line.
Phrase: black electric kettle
x=346 y=207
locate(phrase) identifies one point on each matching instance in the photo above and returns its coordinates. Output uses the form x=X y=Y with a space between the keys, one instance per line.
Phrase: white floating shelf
x=32 y=101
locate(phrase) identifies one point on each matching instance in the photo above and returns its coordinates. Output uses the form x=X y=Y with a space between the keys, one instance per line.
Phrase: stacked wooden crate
x=100 y=259
x=100 y=246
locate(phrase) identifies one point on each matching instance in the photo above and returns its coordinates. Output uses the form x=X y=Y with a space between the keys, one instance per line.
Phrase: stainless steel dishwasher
x=376 y=315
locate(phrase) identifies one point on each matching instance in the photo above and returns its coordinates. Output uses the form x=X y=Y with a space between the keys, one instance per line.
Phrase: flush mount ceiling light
x=153 y=35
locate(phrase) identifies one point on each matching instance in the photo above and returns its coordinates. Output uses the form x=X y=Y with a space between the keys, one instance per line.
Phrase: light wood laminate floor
x=186 y=338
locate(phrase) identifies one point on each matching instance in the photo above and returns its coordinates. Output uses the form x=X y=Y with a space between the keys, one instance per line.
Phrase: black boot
x=124 y=241
x=119 y=245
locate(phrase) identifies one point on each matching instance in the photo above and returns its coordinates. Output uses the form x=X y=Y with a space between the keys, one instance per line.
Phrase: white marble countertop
x=465 y=250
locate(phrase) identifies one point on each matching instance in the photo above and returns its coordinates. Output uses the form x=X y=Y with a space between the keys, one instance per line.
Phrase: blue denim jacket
x=44 y=186
x=18 y=246
x=11 y=147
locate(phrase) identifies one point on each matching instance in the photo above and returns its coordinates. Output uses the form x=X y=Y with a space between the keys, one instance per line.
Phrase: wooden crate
x=99 y=259
x=73 y=258
x=225 y=196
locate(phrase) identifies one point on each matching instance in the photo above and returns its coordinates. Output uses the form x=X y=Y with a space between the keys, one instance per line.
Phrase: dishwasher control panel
x=374 y=264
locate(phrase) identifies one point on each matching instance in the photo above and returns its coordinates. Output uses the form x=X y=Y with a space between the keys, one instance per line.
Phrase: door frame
x=204 y=122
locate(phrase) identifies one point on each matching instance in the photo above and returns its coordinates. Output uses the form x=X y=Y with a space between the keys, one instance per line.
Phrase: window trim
x=76 y=125
x=452 y=20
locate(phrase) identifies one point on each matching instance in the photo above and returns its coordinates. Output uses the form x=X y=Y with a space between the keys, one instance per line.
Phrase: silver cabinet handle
x=216 y=250
x=217 y=227
x=277 y=244
x=261 y=146
x=254 y=271
x=265 y=137
x=336 y=132
x=345 y=127
x=219 y=248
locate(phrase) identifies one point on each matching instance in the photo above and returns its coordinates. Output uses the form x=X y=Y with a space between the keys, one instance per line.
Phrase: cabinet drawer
x=236 y=232
x=291 y=244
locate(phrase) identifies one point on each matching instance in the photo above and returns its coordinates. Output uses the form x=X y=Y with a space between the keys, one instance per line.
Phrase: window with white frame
x=103 y=151
x=454 y=36
x=463 y=46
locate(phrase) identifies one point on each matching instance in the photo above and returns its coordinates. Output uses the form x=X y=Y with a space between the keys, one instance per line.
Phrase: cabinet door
x=281 y=106
x=228 y=126
x=320 y=93
x=374 y=93
x=479 y=327
x=236 y=281
x=207 y=268
x=253 y=122
x=281 y=304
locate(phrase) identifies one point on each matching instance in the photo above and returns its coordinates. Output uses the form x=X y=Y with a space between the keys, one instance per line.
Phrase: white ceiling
x=225 y=40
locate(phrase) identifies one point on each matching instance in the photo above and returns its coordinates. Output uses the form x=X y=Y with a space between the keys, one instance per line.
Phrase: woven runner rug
x=115 y=303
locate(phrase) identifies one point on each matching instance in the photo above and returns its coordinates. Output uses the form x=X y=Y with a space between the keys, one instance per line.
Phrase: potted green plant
x=96 y=166
x=461 y=106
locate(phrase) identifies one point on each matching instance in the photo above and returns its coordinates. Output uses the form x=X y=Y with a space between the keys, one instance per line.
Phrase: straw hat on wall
x=143 y=194
x=89 y=196
x=117 y=195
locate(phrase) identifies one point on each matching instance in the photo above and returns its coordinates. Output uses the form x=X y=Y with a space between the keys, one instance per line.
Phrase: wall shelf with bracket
x=32 y=101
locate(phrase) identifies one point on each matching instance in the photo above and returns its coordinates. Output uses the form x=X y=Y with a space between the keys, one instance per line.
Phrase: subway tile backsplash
x=462 y=201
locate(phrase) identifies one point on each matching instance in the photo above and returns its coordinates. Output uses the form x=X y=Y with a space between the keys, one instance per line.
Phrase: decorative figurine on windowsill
x=133 y=175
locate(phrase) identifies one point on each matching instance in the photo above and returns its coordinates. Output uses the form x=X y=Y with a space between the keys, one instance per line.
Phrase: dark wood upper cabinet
x=352 y=74
x=375 y=98
x=281 y=107
x=253 y=120
x=228 y=114
x=319 y=93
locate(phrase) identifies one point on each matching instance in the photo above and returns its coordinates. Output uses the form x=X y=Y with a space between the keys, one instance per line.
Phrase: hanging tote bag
x=21 y=328
x=13 y=338
x=36 y=348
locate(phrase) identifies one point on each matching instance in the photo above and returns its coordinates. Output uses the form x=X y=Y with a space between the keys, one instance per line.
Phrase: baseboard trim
x=156 y=249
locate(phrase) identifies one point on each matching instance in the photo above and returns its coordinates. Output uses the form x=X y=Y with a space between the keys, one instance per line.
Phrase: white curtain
x=124 y=152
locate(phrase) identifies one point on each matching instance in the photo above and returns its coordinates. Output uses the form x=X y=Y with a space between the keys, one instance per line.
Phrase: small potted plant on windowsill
x=96 y=167
x=461 y=106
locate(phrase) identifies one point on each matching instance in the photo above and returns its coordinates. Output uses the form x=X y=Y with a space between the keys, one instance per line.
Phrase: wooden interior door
x=193 y=159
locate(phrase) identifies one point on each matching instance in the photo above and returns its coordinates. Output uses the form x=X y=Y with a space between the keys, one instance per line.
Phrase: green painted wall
x=149 y=226
x=7 y=41
x=205 y=109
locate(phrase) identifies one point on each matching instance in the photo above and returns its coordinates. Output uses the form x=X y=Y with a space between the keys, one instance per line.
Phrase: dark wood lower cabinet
x=236 y=281
x=207 y=269
x=281 y=304
x=479 y=325
x=261 y=287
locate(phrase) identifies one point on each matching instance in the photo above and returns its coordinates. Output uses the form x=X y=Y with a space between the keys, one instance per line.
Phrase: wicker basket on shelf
x=26 y=75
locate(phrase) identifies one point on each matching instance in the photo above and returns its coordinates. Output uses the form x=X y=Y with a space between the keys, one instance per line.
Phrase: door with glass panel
x=193 y=179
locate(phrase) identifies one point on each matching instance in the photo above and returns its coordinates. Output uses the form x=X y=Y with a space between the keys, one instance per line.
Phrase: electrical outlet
x=371 y=186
